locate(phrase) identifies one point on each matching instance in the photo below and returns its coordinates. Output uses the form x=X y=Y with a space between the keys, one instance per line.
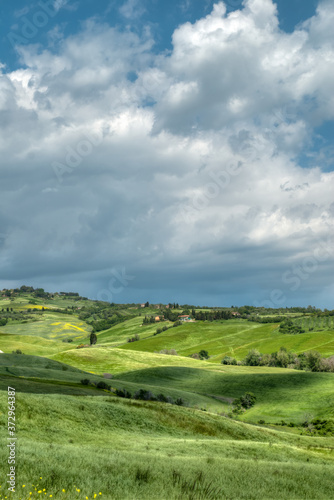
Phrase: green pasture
x=51 y=325
x=139 y=450
x=119 y=334
x=33 y=345
x=281 y=394
x=114 y=360
x=233 y=338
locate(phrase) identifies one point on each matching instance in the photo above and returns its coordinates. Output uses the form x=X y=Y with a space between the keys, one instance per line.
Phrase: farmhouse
x=185 y=317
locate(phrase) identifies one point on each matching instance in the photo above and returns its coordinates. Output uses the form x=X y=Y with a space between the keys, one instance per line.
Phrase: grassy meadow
x=76 y=441
x=234 y=338
x=132 y=449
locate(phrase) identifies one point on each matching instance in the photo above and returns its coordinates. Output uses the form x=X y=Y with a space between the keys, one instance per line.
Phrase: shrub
x=18 y=351
x=244 y=402
x=227 y=360
x=144 y=395
x=162 y=398
x=253 y=358
x=180 y=402
x=103 y=385
x=177 y=323
x=171 y=352
x=261 y=422
x=203 y=354
x=195 y=356
x=123 y=393
x=134 y=339
x=93 y=338
x=85 y=381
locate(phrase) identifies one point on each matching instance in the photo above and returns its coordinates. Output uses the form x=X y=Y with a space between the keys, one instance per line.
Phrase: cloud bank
x=185 y=168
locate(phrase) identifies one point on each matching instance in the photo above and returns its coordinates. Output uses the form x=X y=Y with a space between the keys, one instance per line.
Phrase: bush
x=261 y=422
x=162 y=398
x=244 y=402
x=123 y=393
x=195 y=356
x=180 y=402
x=103 y=385
x=171 y=352
x=144 y=395
x=253 y=358
x=18 y=351
x=85 y=381
x=227 y=360
x=93 y=338
x=134 y=339
x=203 y=354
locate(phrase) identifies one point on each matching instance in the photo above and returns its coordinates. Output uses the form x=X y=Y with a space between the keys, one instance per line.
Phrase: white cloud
x=214 y=130
x=132 y=9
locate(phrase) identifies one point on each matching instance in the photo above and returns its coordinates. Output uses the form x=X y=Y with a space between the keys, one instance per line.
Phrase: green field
x=127 y=449
x=234 y=338
x=77 y=437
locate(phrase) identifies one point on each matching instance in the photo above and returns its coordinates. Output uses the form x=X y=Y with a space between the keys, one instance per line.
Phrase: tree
x=203 y=354
x=253 y=358
x=93 y=338
x=313 y=360
x=247 y=400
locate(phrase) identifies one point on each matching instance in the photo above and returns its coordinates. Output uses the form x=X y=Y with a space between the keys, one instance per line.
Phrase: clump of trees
x=244 y=403
x=171 y=352
x=135 y=338
x=160 y=330
x=309 y=361
x=141 y=394
x=200 y=355
x=291 y=328
x=228 y=360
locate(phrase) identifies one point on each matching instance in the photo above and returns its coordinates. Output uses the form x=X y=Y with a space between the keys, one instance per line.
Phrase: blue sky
x=168 y=151
x=162 y=17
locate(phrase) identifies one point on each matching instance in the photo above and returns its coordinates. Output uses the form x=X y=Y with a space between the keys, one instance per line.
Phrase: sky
x=175 y=151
